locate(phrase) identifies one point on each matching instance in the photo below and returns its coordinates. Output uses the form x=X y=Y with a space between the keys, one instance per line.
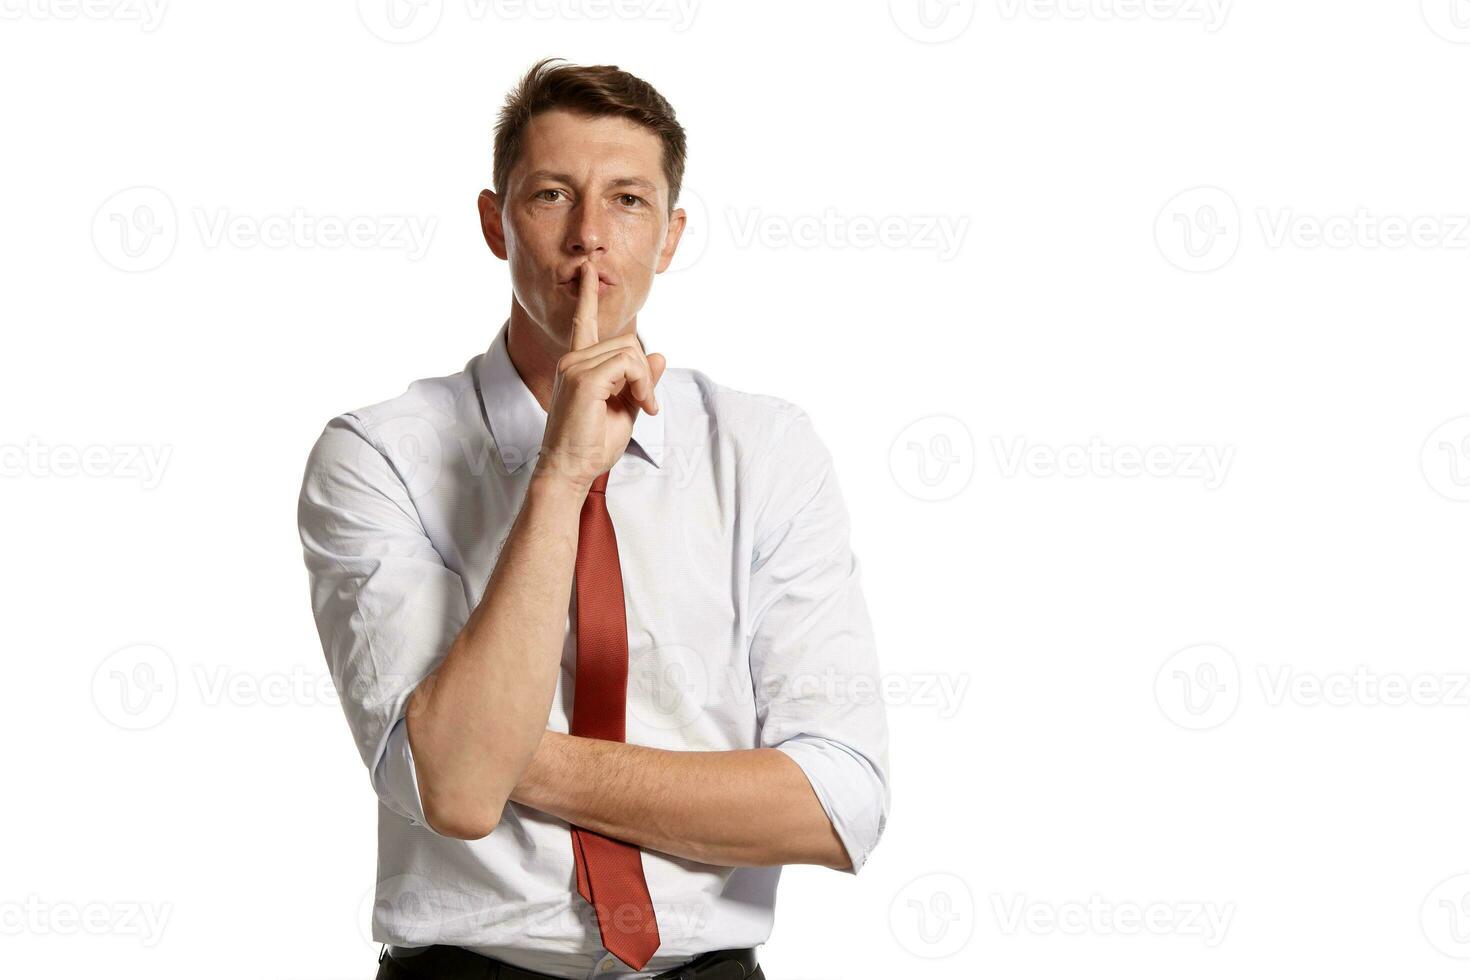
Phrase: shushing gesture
x=600 y=387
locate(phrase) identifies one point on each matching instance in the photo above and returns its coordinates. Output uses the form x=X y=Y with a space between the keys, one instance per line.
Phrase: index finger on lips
x=584 y=320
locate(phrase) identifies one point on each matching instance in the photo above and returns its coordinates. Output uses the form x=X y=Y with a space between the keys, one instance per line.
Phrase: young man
x=595 y=621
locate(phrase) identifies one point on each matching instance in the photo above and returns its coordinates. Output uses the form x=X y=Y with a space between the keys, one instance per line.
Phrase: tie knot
x=599 y=485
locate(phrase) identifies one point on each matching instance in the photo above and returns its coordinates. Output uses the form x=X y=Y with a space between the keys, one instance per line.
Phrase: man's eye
x=633 y=198
x=549 y=190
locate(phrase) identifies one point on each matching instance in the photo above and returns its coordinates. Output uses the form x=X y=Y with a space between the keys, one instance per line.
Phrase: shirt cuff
x=395 y=779
x=851 y=794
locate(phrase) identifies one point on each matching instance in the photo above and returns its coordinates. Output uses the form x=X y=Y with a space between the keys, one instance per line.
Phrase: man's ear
x=671 y=239
x=490 y=225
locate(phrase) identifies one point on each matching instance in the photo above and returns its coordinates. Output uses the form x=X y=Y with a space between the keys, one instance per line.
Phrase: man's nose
x=586 y=234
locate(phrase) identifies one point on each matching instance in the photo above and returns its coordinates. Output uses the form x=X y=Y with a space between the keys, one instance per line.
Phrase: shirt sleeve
x=386 y=606
x=812 y=654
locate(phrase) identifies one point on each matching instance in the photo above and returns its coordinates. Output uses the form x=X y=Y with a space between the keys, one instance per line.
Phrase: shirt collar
x=518 y=422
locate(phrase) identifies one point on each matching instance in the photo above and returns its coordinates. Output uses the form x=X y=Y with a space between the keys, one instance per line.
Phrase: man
x=595 y=621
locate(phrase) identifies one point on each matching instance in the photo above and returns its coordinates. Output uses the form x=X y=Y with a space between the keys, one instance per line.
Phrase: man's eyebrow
x=615 y=182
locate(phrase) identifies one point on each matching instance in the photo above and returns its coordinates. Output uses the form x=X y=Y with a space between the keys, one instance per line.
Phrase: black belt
x=442 y=962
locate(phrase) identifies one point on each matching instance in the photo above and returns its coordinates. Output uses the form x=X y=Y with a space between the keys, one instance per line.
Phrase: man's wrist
x=551 y=482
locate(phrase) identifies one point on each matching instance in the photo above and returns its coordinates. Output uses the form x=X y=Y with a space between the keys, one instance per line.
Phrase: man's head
x=588 y=164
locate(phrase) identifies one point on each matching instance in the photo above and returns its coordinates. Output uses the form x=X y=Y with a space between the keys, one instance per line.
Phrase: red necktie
x=609 y=871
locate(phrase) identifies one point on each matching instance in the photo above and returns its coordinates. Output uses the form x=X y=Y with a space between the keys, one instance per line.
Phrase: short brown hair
x=594 y=90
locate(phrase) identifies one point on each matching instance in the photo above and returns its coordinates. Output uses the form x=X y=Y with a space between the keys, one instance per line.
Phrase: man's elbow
x=460 y=823
x=449 y=807
x=839 y=859
x=452 y=810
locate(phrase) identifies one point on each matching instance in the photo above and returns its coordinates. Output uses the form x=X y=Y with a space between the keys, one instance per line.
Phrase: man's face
x=584 y=189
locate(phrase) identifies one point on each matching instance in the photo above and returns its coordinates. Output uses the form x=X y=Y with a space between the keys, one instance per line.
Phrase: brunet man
x=594 y=620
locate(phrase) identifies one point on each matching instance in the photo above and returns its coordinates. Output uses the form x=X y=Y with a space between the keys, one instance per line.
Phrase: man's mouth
x=575 y=279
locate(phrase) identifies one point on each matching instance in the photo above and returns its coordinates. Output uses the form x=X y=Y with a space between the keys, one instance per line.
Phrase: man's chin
x=610 y=323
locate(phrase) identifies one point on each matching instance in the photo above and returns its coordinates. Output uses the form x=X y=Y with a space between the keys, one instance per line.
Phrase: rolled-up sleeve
x=813 y=659
x=386 y=606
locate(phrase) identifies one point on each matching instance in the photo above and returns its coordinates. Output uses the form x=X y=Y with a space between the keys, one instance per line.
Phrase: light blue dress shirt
x=747 y=628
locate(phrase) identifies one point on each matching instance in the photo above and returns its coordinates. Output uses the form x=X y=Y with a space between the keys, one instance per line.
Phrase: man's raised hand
x=600 y=387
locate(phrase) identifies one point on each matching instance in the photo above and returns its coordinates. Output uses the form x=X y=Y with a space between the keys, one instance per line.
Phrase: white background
x=1208 y=716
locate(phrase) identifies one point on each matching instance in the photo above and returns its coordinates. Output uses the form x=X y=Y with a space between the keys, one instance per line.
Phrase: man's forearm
x=475 y=722
x=739 y=808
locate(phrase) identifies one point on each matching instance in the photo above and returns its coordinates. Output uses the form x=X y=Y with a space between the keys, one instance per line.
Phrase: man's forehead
x=573 y=145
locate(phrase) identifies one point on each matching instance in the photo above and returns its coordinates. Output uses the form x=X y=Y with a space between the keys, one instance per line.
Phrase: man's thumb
x=656 y=364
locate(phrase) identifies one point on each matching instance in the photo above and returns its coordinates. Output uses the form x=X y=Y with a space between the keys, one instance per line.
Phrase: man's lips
x=573 y=286
x=575 y=279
